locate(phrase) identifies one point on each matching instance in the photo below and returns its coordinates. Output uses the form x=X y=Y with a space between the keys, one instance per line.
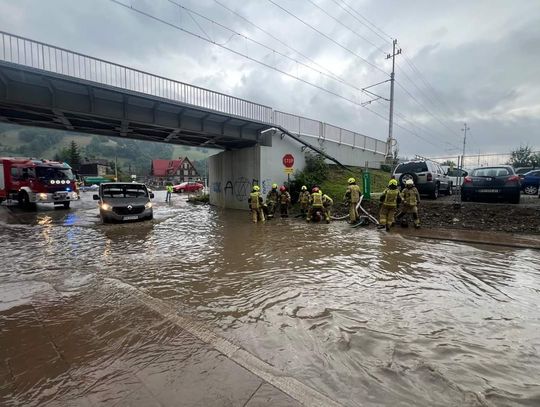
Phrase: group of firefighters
x=316 y=203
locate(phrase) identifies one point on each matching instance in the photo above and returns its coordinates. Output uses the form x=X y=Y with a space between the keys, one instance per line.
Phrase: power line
x=327 y=37
x=423 y=106
x=346 y=26
x=337 y=77
x=374 y=29
x=238 y=53
x=130 y=7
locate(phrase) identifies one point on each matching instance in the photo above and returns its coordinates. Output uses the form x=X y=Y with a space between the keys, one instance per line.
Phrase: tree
x=523 y=157
x=71 y=155
x=449 y=163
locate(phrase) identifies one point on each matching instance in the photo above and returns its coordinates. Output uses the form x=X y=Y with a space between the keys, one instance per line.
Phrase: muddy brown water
x=365 y=317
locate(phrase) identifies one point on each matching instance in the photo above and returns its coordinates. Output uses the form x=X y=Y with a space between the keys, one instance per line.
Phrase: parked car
x=530 y=183
x=188 y=187
x=428 y=177
x=124 y=201
x=455 y=175
x=499 y=183
x=521 y=171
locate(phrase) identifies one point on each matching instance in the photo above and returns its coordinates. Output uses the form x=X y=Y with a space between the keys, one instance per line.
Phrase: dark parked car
x=428 y=177
x=124 y=201
x=188 y=187
x=495 y=183
x=530 y=183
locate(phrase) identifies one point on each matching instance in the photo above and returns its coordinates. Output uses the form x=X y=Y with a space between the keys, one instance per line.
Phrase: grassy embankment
x=335 y=184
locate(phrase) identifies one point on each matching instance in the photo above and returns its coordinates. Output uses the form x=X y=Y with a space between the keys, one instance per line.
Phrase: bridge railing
x=50 y=58
x=35 y=54
x=304 y=126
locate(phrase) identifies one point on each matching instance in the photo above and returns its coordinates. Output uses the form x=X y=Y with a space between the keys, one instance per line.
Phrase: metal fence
x=479 y=160
x=304 y=126
x=34 y=54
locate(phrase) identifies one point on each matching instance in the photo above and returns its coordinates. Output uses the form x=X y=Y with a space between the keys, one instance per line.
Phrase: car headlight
x=106 y=207
x=148 y=205
x=42 y=196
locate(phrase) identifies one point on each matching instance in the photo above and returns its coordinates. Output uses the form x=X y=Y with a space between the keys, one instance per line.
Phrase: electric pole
x=464 y=130
x=390 y=141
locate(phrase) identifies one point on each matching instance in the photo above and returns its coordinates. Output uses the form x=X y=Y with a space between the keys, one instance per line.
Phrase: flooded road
x=366 y=318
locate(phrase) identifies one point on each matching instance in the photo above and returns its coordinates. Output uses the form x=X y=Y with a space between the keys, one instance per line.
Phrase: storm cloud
x=479 y=61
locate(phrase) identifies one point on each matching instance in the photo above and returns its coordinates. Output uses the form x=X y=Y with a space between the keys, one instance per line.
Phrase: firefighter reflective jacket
x=316 y=200
x=390 y=197
x=254 y=199
x=353 y=193
x=304 y=197
x=284 y=198
x=410 y=196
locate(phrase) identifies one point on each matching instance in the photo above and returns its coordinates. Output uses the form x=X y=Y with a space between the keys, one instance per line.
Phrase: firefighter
x=327 y=205
x=255 y=202
x=304 y=201
x=390 y=199
x=284 y=201
x=272 y=199
x=352 y=196
x=169 y=193
x=410 y=199
x=316 y=203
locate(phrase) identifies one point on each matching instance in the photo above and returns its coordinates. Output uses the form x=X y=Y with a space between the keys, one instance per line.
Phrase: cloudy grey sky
x=479 y=60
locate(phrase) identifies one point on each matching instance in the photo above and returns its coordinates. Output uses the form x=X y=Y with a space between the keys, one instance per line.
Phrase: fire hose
x=358 y=206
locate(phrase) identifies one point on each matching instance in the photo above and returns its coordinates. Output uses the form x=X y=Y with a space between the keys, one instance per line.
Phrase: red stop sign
x=288 y=160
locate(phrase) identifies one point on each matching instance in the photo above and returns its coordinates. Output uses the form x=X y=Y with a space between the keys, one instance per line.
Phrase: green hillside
x=133 y=156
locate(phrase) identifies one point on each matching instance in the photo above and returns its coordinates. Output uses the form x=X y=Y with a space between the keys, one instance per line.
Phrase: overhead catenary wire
x=328 y=37
x=371 y=26
x=347 y=27
x=336 y=76
x=223 y=46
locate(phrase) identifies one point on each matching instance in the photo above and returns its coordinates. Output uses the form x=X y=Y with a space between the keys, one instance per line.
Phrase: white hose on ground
x=358 y=206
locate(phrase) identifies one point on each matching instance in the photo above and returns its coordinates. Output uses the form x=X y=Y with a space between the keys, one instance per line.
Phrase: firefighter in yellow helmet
x=316 y=203
x=255 y=202
x=352 y=196
x=272 y=199
x=390 y=199
x=284 y=201
x=410 y=199
x=304 y=200
x=327 y=205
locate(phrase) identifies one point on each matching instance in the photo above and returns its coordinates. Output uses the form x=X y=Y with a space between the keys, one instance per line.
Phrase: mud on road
x=501 y=217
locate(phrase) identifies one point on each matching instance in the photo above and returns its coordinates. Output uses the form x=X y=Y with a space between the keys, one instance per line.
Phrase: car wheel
x=531 y=189
x=435 y=193
x=24 y=201
x=181 y=191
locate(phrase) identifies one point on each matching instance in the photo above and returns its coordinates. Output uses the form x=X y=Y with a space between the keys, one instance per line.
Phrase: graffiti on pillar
x=254 y=182
x=216 y=187
x=229 y=187
x=242 y=188
x=266 y=185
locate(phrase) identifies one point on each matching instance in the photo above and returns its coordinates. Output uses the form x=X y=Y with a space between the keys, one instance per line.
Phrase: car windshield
x=491 y=172
x=52 y=173
x=417 y=166
x=124 y=191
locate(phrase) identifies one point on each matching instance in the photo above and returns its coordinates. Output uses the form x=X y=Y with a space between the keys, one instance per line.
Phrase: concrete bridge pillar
x=233 y=173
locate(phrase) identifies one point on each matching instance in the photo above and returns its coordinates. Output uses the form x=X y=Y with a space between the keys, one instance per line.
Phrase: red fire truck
x=30 y=181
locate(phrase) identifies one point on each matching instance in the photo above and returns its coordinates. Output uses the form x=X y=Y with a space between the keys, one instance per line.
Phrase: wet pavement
x=363 y=317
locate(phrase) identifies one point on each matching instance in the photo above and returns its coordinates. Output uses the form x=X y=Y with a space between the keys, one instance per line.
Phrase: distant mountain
x=133 y=155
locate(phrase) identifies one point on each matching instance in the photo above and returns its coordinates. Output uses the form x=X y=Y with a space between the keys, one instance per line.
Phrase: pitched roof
x=162 y=168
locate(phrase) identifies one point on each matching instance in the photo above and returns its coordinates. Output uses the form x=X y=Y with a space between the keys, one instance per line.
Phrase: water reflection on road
x=368 y=318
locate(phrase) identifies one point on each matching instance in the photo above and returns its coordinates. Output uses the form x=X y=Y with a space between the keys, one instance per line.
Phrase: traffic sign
x=288 y=160
x=288 y=170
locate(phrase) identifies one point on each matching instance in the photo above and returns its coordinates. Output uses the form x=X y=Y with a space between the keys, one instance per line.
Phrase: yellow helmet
x=256 y=188
x=274 y=186
x=304 y=188
x=392 y=182
x=351 y=180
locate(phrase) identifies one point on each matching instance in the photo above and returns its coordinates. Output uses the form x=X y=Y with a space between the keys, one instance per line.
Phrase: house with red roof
x=175 y=171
